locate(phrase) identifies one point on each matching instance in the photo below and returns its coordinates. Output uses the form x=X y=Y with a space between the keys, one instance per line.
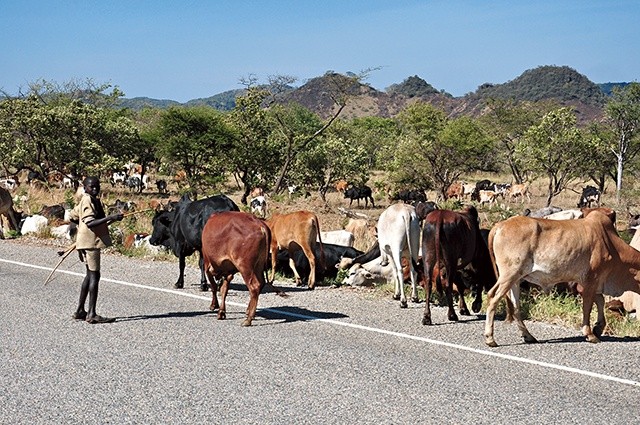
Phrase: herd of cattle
x=440 y=250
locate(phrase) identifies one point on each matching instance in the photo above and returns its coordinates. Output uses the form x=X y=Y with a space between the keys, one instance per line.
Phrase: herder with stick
x=93 y=235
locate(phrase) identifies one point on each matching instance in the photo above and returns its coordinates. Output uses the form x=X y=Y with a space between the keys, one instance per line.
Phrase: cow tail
x=323 y=262
x=438 y=265
x=491 y=253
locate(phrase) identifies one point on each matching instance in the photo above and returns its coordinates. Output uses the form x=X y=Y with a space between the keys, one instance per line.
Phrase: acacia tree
x=623 y=112
x=555 y=147
x=194 y=139
x=434 y=151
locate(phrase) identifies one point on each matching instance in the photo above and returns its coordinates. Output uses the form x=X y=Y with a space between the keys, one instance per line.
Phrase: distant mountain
x=560 y=84
x=607 y=88
x=138 y=103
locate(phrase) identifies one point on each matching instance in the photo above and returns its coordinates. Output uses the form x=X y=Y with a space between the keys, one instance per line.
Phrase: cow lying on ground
x=450 y=241
x=296 y=231
x=180 y=230
x=337 y=237
x=547 y=252
x=333 y=254
x=235 y=242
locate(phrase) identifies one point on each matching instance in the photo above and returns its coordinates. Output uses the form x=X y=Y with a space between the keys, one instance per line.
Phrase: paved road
x=329 y=356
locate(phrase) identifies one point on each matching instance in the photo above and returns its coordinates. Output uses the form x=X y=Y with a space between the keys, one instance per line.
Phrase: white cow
x=259 y=206
x=369 y=274
x=338 y=237
x=565 y=215
x=398 y=236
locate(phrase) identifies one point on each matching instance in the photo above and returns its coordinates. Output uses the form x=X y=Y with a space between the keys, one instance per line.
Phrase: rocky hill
x=560 y=84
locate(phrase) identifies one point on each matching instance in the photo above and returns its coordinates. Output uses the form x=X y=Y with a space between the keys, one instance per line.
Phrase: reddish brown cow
x=295 y=231
x=451 y=241
x=234 y=241
x=456 y=190
x=341 y=186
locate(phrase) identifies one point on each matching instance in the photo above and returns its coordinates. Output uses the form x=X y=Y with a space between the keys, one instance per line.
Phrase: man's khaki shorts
x=91 y=257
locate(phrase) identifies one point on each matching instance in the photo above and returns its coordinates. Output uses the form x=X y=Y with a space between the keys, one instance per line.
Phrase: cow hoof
x=396 y=297
x=245 y=323
x=178 y=285
x=593 y=339
x=528 y=339
x=415 y=299
x=598 y=328
x=465 y=312
x=453 y=317
x=311 y=288
x=403 y=304
x=476 y=306
x=426 y=321
x=204 y=287
x=222 y=315
x=490 y=341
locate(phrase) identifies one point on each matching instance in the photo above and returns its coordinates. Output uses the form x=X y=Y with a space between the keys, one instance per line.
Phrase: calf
x=235 y=242
x=357 y=193
x=488 y=197
x=118 y=177
x=546 y=252
x=519 y=191
x=341 y=186
x=259 y=206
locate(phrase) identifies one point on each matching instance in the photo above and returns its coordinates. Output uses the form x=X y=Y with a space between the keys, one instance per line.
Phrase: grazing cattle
x=450 y=242
x=410 y=196
x=546 y=252
x=134 y=183
x=161 y=185
x=501 y=188
x=454 y=191
x=333 y=254
x=235 y=242
x=296 y=231
x=118 y=177
x=589 y=195
x=357 y=193
x=337 y=237
x=399 y=236
x=519 y=191
x=6 y=209
x=487 y=197
x=341 y=186
x=259 y=206
x=121 y=207
x=468 y=189
x=180 y=230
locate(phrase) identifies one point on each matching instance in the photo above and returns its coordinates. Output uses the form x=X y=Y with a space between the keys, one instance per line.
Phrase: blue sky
x=183 y=50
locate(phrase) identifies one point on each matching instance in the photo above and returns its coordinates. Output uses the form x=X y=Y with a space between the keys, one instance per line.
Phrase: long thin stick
x=65 y=254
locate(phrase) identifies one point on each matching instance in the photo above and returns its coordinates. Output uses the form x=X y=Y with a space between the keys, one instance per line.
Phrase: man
x=93 y=235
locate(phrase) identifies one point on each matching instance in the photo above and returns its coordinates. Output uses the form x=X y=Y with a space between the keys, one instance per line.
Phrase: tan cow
x=341 y=186
x=488 y=197
x=455 y=191
x=547 y=252
x=295 y=231
x=6 y=209
x=519 y=191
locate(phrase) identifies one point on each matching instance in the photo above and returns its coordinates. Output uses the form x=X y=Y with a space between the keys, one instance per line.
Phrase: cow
x=341 y=186
x=546 y=252
x=542 y=212
x=398 y=236
x=118 y=177
x=564 y=215
x=295 y=231
x=259 y=206
x=519 y=191
x=487 y=197
x=180 y=230
x=6 y=209
x=589 y=195
x=337 y=237
x=357 y=193
x=333 y=254
x=454 y=191
x=468 y=189
x=161 y=185
x=364 y=235
x=410 y=196
x=481 y=185
x=451 y=241
x=235 y=242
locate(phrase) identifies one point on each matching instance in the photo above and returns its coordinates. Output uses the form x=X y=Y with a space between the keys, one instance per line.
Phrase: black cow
x=134 y=183
x=180 y=229
x=332 y=256
x=589 y=194
x=53 y=212
x=481 y=185
x=410 y=196
x=162 y=186
x=357 y=193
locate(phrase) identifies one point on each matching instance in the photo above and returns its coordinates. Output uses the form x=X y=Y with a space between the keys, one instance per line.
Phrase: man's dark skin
x=92 y=278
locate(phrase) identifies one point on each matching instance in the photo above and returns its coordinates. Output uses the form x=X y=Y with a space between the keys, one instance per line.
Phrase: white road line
x=360 y=327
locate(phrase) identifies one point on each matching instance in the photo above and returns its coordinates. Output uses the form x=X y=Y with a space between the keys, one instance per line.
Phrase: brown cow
x=6 y=209
x=295 y=231
x=450 y=241
x=456 y=191
x=341 y=186
x=519 y=191
x=546 y=252
x=234 y=241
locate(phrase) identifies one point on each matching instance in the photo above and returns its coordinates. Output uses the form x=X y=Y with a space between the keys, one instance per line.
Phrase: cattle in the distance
x=409 y=196
x=235 y=242
x=519 y=191
x=161 y=185
x=590 y=195
x=258 y=206
x=399 y=236
x=118 y=177
x=292 y=232
x=481 y=185
x=341 y=186
x=450 y=242
x=180 y=229
x=359 y=192
x=454 y=191
x=547 y=252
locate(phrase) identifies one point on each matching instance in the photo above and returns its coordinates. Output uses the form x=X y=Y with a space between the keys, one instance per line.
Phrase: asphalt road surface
x=329 y=356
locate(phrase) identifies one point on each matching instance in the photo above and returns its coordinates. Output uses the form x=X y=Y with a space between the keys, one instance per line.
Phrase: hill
x=560 y=84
